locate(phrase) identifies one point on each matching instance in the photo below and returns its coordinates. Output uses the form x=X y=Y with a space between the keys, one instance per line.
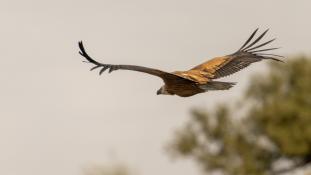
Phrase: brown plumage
x=200 y=78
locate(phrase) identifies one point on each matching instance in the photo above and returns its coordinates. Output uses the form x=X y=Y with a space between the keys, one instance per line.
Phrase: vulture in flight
x=201 y=78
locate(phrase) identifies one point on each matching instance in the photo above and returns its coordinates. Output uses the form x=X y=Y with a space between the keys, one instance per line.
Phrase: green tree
x=276 y=127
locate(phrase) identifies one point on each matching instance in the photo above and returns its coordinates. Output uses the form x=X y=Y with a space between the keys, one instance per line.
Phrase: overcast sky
x=56 y=117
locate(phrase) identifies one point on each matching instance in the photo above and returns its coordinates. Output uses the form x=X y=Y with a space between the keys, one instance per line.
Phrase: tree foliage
x=275 y=127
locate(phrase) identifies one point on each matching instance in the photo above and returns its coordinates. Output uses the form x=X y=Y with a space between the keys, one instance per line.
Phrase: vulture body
x=201 y=78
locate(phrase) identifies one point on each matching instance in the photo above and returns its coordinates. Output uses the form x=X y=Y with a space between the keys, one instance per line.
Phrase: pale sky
x=56 y=117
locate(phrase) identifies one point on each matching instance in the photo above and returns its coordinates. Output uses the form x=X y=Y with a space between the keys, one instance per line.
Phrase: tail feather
x=217 y=85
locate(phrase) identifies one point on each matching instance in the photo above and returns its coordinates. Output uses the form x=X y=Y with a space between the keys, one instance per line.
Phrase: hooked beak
x=159 y=92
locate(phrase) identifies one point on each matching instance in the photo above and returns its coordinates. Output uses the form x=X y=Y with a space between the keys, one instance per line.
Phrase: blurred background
x=56 y=117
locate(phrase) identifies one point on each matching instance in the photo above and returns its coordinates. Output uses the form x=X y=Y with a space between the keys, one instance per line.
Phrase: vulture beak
x=159 y=92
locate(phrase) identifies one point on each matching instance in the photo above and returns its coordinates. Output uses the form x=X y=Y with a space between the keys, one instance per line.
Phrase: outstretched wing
x=246 y=55
x=167 y=77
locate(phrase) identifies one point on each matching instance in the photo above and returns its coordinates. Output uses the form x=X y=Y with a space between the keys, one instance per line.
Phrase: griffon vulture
x=201 y=78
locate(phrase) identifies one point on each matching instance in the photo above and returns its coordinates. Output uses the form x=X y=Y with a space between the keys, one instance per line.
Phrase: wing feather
x=167 y=77
x=246 y=55
x=249 y=39
x=257 y=40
